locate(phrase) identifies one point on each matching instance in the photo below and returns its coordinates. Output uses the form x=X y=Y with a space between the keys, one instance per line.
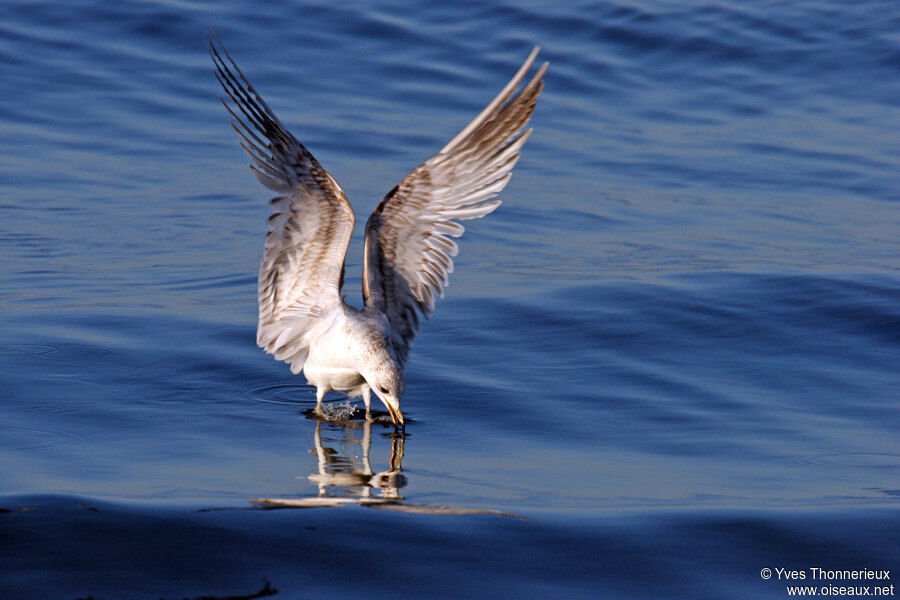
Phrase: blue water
x=670 y=360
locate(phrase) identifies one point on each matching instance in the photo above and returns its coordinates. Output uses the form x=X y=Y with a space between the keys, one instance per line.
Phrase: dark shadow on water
x=345 y=414
x=264 y=592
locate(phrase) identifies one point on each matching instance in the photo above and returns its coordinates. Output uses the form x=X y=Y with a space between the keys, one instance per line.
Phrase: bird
x=304 y=320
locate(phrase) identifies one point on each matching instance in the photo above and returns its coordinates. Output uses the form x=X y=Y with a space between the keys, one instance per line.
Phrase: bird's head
x=386 y=380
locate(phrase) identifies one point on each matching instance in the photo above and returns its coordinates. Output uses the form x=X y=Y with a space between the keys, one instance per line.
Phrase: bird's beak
x=396 y=415
x=393 y=406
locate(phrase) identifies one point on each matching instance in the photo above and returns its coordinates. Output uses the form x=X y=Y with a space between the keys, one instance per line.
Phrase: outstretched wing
x=309 y=229
x=408 y=254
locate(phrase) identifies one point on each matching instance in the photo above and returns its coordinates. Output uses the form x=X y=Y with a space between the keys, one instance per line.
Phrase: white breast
x=332 y=362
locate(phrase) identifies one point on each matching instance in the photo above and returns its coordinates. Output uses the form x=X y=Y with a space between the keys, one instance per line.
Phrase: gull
x=408 y=256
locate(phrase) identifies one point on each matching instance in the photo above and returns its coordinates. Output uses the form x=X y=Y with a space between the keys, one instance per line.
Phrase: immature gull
x=303 y=319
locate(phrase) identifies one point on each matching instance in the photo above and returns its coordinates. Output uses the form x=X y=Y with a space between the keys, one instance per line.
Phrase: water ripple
x=17 y=438
x=855 y=460
x=60 y=352
x=288 y=394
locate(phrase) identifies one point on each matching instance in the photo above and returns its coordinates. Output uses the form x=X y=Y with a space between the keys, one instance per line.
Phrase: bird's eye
x=384 y=390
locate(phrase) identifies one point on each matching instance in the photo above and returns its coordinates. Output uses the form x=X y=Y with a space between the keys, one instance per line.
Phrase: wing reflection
x=345 y=474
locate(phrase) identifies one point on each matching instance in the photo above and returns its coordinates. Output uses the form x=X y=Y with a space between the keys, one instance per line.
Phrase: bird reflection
x=345 y=475
x=348 y=474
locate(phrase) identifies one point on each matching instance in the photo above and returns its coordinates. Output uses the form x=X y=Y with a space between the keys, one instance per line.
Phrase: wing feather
x=408 y=255
x=301 y=273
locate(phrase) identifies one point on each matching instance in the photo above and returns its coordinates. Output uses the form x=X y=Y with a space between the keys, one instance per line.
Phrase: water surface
x=668 y=361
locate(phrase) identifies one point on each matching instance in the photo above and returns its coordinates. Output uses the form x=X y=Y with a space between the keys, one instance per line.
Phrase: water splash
x=338 y=411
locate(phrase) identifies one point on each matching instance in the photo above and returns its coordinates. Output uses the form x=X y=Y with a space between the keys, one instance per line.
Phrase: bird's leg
x=320 y=393
x=367 y=399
